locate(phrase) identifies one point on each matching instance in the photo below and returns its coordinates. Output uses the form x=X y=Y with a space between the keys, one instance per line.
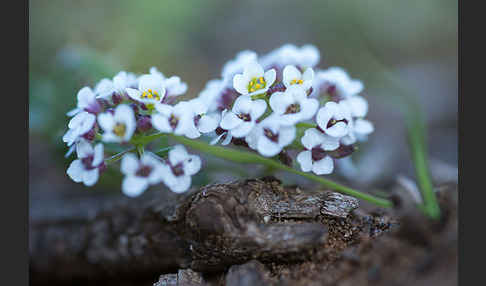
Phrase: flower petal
x=134 y=186
x=90 y=177
x=183 y=184
x=324 y=166
x=279 y=101
x=243 y=129
x=240 y=83
x=177 y=155
x=290 y=73
x=312 y=138
x=270 y=77
x=98 y=154
x=129 y=164
x=161 y=123
x=207 y=123
x=84 y=149
x=106 y=121
x=230 y=121
x=305 y=160
x=76 y=170
x=192 y=165
x=267 y=147
x=258 y=108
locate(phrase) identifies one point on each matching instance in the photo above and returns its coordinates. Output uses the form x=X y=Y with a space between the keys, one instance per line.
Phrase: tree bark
x=207 y=230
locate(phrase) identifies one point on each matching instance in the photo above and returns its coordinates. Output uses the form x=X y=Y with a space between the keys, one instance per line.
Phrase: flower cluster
x=281 y=102
x=279 y=105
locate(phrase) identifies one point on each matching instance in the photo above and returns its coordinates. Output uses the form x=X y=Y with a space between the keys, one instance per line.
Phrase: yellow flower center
x=149 y=94
x=296 y=81
x=119 y=129
x=256 y=84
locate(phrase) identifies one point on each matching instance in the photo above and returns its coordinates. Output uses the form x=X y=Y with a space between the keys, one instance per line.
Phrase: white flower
x=79 y=125
x=86 y=101
x=139 y=174
x=179 y=169
x=293 y=105
x=86 y=168
x=201 y=122
x=357 y=105
x=254 y=79
x=288 y=54
x=151 y=90
x=122 y=80
x=236 y=65
x=173 y=85
x=334 y=119
x=269 y=137
x=315 y=158
x=359 y=130
x=211 y=93
x=336 y=81
x=292 y=75
x=118 y=127
x=172 y=119
x=241 y=119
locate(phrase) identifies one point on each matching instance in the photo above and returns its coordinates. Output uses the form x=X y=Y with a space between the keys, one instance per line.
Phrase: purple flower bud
x=117 y=98
x=279 y=87
x=343 y=151
x=227 y=98
x=239 y=142
x=285 y=158
x=134 y=107
x=144 y=123
x=94 y=108
x=90 y=135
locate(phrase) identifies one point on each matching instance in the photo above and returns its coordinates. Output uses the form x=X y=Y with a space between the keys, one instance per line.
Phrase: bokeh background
x=76 y=43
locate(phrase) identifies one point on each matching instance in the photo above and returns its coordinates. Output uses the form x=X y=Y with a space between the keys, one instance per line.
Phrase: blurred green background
x=76 y=43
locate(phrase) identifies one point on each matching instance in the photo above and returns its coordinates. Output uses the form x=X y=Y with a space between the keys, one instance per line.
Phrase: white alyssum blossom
x=140 y=174
x=315 y=157
x=119 y=126
x=336 y=81
x=357 y=105
x=293 y=105
x=172 y=119
x=237 y=64
x=86 y=168
x=151 y=90
x=254 y=79
x=211 y=93
x=269 y=137
x=179 y=168
x=122 y=80
x=202 y=121
x=241 y=119
x=334 y=119
x=359 y=129
x=289 y=54
x=86 y=101
x=173 y=85
x=79 y=125
x=293 y=76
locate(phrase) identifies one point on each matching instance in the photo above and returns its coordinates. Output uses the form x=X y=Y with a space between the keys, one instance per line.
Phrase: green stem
x=117 y=156
x=248 y=157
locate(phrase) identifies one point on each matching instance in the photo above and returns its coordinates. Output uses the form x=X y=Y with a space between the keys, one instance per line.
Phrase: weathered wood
x=207 y=230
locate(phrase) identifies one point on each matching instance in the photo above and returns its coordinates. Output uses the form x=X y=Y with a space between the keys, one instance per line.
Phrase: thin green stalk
x=248 y=157
x=117 y=156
